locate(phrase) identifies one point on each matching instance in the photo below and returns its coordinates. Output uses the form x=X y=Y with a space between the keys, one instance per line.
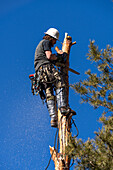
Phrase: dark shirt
x=40 y=56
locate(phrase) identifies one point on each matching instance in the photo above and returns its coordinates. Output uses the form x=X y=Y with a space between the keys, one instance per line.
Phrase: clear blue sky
x=25 y=132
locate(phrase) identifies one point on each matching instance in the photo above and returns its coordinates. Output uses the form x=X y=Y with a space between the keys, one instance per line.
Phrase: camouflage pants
x=50 y=78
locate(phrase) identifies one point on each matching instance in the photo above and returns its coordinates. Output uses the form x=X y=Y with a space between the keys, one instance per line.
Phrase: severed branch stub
x=61 y=160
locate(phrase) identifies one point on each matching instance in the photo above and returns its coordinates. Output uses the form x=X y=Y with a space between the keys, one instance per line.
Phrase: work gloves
x=61 y=57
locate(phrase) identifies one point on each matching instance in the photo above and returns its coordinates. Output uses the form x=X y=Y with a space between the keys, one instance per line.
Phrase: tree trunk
x=60 y=159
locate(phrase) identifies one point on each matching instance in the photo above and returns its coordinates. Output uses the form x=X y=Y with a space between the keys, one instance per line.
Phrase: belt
x=45 y=66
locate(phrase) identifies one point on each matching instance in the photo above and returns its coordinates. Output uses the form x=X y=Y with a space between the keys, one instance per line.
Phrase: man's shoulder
x=46 y=44
x=45 y=41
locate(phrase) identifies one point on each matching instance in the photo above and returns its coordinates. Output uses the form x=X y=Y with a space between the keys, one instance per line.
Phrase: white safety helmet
x=53 y=33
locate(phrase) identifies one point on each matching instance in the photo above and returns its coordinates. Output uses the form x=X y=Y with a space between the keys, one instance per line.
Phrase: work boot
x=64 y=110
x=52 y=112
x=67 y=111
x=54 y=123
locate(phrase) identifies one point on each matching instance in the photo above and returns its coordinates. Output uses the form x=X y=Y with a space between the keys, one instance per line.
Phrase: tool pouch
x=36 y=86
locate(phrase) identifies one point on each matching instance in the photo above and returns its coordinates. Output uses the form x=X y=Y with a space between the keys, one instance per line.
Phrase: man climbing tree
x=50 y=77
x=50 y=81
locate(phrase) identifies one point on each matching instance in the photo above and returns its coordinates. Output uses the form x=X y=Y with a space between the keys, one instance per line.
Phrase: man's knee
x=50 y=98
x=49 y=94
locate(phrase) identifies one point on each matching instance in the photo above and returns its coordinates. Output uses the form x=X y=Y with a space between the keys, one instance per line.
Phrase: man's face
x=53 y=42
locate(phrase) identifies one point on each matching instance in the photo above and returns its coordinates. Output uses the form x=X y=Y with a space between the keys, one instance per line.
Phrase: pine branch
x=97 y=90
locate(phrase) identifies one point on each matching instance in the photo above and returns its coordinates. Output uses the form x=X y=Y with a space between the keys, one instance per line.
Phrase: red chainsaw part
x=31 y=76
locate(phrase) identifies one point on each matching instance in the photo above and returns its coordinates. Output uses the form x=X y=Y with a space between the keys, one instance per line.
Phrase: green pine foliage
x=95 y=153
x=97 y=90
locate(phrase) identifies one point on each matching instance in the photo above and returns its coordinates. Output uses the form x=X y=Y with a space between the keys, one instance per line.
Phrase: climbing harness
x=36 y=86
x=37 y=83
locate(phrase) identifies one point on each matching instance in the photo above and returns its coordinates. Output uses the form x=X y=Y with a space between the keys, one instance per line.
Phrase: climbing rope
x=54 y=145
x=73 y=122
x=53 y=150
x=72 y=163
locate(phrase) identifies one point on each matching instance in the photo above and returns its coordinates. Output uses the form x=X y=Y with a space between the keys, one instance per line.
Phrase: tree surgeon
x=50 y=77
